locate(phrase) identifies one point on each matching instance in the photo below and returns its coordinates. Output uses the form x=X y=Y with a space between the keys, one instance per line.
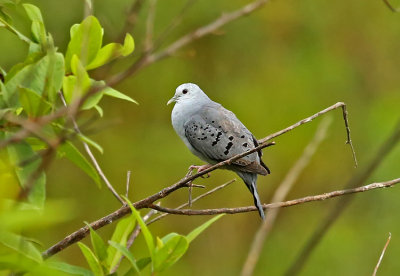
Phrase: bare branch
x=341 y=205
x=146 y=202
x=312 y=117
x=280 y=194
x=390 y=6
x=383 y=253
x=189 y=212
x=148 y=40
x=91 y=156
x=131 y=19
x=174 y=23
x=83 y=232
x=147 y=59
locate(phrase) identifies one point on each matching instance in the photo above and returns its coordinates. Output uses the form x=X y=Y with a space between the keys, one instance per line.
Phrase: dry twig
x=149 y=58
x=91 y=156
x=383 y=253
x=280 y=194
x=341 y=205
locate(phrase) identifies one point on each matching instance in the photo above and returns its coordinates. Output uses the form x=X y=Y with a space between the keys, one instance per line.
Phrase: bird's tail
x=250 y=179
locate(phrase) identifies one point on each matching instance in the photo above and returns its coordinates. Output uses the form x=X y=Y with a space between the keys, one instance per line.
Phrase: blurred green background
x=273 y=68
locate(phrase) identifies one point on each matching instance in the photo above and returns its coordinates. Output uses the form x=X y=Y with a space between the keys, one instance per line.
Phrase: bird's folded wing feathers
x=218 y=135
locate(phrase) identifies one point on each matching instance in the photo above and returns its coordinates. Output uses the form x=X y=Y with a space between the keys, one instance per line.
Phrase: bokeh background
x=279 y=65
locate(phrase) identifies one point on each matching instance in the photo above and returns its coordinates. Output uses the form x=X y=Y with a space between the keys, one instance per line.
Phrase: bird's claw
x=200 y=169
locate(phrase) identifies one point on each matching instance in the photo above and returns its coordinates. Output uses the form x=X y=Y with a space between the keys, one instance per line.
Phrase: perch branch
x=280 y=194
x=383 y=253
x=341 y=205
x=144 y=203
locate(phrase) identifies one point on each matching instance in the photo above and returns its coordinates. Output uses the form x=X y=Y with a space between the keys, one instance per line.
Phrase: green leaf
x=120 y=236
x=91 y=259
x=92 y=101
x=170 y=252
x=18 y=153
x=129 y=45
x=116 y=94
x=70 y=269
x=38 y=29
x=77 y=85
x=43 y=76
x=112 y=51
x=124 y=251
x=86 y=40
x=21 y=245
x=192 y=235
x=73 y=154
x=146 y=232
x=143 y=262
x=28 y=216
x=98 y=244
x=33 y=104
x=5 y=24
x=90 y=142
x=99 y=110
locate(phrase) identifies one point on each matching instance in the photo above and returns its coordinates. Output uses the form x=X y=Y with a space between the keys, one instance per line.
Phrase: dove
x=215 y=134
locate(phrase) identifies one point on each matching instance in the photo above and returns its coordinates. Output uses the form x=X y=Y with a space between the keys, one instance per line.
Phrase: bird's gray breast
x=181 y=114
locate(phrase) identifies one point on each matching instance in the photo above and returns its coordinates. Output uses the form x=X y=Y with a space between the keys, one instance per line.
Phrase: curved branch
x=190 y=212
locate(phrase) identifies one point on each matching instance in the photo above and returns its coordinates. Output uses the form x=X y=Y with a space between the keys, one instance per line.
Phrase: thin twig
x=280 y=194
x=202 y=212
x=390 y=6
x=194 y=200
x=341 y=205
x=83 y=232
x=174 y=23
x=128 y=177
x=91 y=156
x=383 y=253
x=131 y=19
x=312 y=117
x=144 y=203
x=88 y=8
x=148 y=40
x=147 y=59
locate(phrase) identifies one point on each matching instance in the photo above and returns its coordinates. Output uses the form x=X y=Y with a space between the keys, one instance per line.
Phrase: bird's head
x=187 y=92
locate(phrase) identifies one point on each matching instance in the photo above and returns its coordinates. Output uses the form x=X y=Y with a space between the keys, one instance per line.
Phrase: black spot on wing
x=228 y=147
x=217 y=138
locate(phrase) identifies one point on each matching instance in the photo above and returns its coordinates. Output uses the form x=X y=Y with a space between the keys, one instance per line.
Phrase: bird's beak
x=173 y=99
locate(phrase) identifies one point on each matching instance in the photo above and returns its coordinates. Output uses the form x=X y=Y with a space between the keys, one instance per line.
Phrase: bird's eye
x=184 y=91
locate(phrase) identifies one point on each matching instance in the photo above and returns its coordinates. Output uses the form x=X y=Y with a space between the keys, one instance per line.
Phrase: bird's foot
x=200 y=169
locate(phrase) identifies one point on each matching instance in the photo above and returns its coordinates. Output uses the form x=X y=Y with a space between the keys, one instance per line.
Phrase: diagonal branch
x=381 y=256
x=146 y=202
x=147 y=58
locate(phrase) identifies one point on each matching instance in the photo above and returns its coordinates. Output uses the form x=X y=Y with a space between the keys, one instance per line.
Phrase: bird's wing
x=218 y=135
